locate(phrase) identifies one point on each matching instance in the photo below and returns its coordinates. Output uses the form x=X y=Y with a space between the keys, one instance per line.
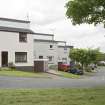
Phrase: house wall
x=9 y=41
x=63 y=53
x=43 y=37
x=14 y=24
x=43 y=49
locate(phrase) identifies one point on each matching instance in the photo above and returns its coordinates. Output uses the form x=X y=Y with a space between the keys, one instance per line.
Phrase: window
x=64 y=60
x=40 y=57
x=51 y=46
x=50 y=58
x=65 y=48
x=22 y=37
x=20 y=57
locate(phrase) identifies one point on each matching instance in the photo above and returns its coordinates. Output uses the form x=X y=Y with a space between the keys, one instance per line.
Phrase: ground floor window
x=64 y=60
x=20 y=57
x=50 y=58
x=40 y=57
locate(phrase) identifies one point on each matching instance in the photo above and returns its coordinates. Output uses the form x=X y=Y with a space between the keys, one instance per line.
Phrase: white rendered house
x=21 y=46
x=63 y=53
x=45 y=47
x=16 y=43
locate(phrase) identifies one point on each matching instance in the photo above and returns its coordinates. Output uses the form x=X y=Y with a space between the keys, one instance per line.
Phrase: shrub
x=11 y=65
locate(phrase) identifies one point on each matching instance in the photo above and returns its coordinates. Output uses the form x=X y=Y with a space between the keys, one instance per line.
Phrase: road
x=98 y=79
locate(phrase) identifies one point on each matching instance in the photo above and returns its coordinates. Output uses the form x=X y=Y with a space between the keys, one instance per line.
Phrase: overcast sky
x=48 y=16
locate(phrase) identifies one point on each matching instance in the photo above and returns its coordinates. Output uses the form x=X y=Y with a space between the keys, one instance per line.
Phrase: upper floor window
x=51 y=46
x=22 y=37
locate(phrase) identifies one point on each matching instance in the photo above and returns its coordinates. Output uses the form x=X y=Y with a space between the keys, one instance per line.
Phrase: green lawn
x=94 y=96
x=16 y=73
x=13 y=72
x=68 y=75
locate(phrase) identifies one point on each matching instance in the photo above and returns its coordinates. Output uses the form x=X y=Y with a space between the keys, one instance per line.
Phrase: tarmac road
x=98 y=79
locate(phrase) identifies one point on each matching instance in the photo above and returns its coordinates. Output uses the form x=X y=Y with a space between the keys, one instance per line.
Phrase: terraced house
x=45 y=47
x=21 y=46
x=16 y=43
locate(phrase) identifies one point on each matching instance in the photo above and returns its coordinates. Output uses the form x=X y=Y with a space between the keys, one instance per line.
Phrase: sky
x=48 y=16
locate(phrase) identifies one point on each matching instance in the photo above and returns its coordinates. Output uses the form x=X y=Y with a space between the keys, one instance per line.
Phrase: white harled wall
x=62 y=53
x=9 y=41
x=43 y=49
x=43 y=37
x=5 y=23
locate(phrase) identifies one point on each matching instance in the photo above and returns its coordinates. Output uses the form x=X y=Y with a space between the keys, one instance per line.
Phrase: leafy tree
x=85 y=56
x=86 y=11
x=100 y=57
x=78 y=55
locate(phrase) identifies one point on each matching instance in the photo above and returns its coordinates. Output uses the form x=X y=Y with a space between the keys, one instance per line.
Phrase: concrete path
x=98 y=79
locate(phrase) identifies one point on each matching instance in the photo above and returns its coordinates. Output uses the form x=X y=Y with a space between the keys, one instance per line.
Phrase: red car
x=64 y=67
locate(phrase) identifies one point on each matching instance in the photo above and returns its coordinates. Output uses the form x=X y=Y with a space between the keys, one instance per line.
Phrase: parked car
x=101 y=63
x=76 y=71
x=64 y=67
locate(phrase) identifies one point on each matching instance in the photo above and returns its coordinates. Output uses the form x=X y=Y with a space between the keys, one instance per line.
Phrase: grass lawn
x=13 y=72
x=94 y=96
x=16 y=73
x=68 y=75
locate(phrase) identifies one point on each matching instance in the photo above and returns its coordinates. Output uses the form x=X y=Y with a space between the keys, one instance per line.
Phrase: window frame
x=40 y=57
x=22 y=35
x=20 y=61
x=51 y=46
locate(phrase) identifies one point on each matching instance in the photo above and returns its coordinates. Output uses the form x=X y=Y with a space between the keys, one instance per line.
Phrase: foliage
x=86 y=11
x=85 y=56
x=11 y=65
x=101 y=57
x=68 y=75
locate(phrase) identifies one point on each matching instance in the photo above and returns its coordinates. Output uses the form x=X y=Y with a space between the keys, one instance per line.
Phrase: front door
x=4 y=57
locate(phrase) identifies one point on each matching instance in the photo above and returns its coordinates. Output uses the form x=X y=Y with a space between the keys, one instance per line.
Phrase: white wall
x=43 y=37
x=9 y=41
x=43 y=49
x=62 y=53
x=14 y=24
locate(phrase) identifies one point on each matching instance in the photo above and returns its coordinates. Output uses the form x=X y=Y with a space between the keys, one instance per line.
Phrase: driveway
x=98 y=79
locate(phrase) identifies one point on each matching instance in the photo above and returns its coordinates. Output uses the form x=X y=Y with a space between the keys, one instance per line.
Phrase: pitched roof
x=14 y=20
x=11 y=29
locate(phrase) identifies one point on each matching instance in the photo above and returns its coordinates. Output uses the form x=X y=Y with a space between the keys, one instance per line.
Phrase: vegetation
x=85 y=57
x=86 y=11
x=68 y=75
x=13 y=72
x=94 y=96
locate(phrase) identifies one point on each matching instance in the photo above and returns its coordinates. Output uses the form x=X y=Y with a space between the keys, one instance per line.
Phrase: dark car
x=76 y=71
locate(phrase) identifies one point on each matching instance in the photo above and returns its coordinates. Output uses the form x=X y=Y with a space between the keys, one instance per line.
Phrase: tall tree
x=86 y=11
x=85 y=56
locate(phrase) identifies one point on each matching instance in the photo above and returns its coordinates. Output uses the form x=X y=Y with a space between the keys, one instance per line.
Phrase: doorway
x=4 y=56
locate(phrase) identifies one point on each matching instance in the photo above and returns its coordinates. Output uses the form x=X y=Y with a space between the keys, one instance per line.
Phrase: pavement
x=97 y=79
x=54 y=72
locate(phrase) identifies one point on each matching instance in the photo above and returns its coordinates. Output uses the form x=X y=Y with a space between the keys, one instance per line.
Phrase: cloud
x=48 y=16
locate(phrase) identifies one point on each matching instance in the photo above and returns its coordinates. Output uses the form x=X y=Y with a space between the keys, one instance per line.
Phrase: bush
x=88 y=69
x=54 y=67
x=11 y=65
